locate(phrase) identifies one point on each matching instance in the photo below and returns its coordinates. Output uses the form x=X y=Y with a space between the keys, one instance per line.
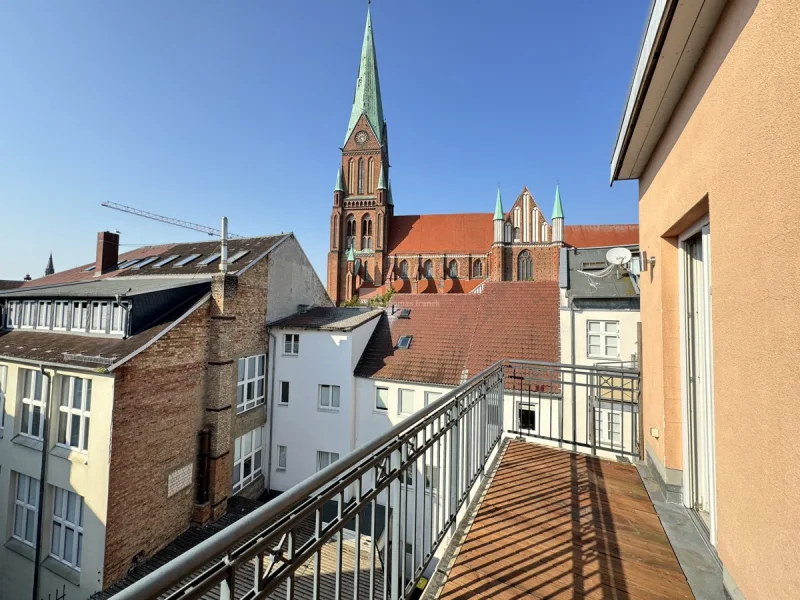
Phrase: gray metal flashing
x=206 y=297
x=105 y=288
x=54 y=365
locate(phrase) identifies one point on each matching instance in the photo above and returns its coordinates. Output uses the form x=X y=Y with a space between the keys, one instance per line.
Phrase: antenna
x=168 y=220
x=618 y=256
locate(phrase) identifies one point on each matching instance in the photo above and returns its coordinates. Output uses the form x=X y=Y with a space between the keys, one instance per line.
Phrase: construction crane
x=177 y=222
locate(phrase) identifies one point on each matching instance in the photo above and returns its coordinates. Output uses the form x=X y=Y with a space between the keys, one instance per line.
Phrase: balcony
x=517 y=484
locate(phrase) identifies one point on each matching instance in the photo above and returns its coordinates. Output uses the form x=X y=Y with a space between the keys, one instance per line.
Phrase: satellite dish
x=618 y=256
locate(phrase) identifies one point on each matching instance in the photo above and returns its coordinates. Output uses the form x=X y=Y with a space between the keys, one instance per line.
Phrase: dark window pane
x=75 y=431
x=62 y=427
x=77 y=393
x=26 y=416
x=86 y=433
x=248 y=467
x=88 y=401
x=37 y=413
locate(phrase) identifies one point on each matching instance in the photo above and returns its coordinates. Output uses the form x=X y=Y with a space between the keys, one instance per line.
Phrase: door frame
x=700 y=226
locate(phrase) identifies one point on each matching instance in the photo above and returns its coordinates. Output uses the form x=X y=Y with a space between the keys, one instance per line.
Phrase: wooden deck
x=555 y=524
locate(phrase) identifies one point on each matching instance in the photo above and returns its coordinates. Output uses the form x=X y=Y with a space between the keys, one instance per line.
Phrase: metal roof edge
x=266 y=253
x=46 y=363
x=206 y=297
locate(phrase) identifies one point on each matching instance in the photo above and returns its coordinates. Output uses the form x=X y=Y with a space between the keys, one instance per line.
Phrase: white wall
x=85 y=474
x=291 y=281
x=628 y=321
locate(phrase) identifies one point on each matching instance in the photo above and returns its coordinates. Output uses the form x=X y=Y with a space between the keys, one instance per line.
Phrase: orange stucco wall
x=735 y=140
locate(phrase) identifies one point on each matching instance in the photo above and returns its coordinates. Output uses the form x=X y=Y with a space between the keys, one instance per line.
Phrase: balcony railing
x=412 y=484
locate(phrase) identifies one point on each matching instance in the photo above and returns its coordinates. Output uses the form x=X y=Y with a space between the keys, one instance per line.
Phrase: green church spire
x=351 y=254
x=498 y=207
x=339 y=185
x=382 y=180
x=367 y=100
x=389 y=199
x=558 y=212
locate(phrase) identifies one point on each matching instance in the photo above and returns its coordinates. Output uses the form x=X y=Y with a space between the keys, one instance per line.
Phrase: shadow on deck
x=556 y=524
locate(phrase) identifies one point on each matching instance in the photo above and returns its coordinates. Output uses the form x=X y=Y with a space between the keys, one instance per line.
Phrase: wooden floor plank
x=556 y=524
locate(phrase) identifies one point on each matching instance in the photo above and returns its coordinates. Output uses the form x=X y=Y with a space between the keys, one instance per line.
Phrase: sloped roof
x=452 y=333
x=10 y=284
x=590 y=236
x=103 y=288
x=328 y=318
x=456 y=233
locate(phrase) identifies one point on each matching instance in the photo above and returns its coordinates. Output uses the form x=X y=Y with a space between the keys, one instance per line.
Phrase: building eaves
x=324 y=318
x=105 y=288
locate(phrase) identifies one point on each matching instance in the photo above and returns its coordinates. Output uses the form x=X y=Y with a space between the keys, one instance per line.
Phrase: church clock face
x=361 y=137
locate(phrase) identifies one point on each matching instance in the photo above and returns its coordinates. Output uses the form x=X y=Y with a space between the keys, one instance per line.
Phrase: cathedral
x=372 y=249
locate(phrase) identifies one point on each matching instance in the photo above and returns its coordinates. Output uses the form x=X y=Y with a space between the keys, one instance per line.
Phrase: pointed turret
x=382 y=180
x=49 y=269
x=498 y=217
x=351 y=254
x=389 y=199
x=367 y=99
x=339 y=183
x=558 y=218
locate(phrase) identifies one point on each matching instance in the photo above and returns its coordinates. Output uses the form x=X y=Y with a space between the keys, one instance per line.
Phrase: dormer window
x=118 y=318
x=99 y=317
x=80 y=316
x=404 y=343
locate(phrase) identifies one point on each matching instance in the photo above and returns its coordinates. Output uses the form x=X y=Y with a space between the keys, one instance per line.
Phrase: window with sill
x=251 y=382
x=66 y=541
x=284 y=399
x=32 y=404
x=329 y=397
x=325 y=458
x=602 y=339
x=291 y=343
x=247 y=458
x=100 y=312
x=12 y=314
x=61 y=315
x=28 y=314
x=74 y=407
x=44 y=313
x=281 y=458
x=431 y=397
x=26 y=509
x=119 y=318
x=80 y=316
x=405 y=401
x=608 y=426
x=382 y=399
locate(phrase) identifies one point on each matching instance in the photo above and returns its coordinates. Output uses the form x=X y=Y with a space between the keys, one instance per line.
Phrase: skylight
x=91 y=268
x=210 y=259
x=237 y=256
x=405 y=314
x=404 y=342
x=128 y=263
x=146 y=262
x=186 y=260
x=169 y=259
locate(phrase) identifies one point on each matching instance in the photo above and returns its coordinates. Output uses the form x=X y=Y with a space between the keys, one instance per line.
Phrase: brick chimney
x=107 y=251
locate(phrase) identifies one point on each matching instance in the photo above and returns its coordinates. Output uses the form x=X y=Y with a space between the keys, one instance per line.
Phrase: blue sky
x=201 y=109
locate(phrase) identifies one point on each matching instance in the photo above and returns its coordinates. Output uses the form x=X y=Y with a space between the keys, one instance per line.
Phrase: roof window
x=405 y=314
x=237 y=256
x=146 y=262
x=169 y=259
x=404 y=342
x=187 y=260
x=210 y=259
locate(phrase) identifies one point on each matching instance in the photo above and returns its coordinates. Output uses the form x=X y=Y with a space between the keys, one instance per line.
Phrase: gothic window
x=360 y=176
x=524 y=266
x=366 y=272
x=366 y=233
x=351 y=231
x=336 y=231
x=453 y=269
x=516 y=234
x=404 y=269
x=507 y=238
x=380 y=231
x=370 y=176
x=351 y=178
x=544 y=232
x=428 y=266
x=477 y=269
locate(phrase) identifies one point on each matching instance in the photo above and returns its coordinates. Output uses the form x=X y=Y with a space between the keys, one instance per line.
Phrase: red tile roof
x=452 y=333
x=465 y=232
x=590 y=236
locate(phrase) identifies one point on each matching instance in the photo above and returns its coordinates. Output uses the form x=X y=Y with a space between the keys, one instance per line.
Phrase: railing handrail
x=606 y=367
x=187 y=563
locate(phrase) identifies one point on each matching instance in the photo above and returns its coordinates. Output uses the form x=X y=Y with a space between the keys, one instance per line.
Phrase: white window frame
x=68 y=413
x=61 y=499
x=400 y=401
x=431 y=397
x=378 y=391
x=291 y=344
x=407 y=476
x=62 y=307
x=327 y=456
x=242 y=455
x=119 y=319
x=283 y=399
x=533 y=408
x=604 y=335
x=44 y=312
x=432 y=476
x=283 y=453
x=251 y=375
x=28 y=319
x=605 y=418
x=3 y=379
x=28 y=399
x=80 y=310
x=13 y=312
x=102 y=309
x=321 y=397
x=28 y=488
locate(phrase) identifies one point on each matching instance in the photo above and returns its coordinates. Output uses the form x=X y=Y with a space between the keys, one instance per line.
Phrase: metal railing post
x=395 y=539
x=455 y=464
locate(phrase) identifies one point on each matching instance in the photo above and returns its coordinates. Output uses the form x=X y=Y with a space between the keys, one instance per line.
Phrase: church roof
x=590 y=236
x=367 y=99
x=456 y=233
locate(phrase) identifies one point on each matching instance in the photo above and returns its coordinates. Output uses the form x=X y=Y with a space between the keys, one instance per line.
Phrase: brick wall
x=158 y=400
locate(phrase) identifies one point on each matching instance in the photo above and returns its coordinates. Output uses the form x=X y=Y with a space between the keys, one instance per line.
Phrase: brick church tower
x=362 y=200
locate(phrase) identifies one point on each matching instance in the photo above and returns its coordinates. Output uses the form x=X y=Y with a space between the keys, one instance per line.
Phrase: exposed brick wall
x=158 y=410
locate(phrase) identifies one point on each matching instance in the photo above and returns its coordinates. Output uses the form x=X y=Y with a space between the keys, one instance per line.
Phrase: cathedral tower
x=362 y=205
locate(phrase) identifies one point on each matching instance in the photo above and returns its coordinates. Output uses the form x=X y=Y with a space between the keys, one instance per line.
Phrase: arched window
x=404 y=269
x=380 y=231
x=370 y=176
x=507 y=237
x=477 y=268
x=335 y=242
x=516 y=234
x=351 y=178
x=360 y=175
x=350 y=232
x=524 y=266
x=366 y=233
x=428 y=267
x=366 y=272
x=544 y=232
x=453 y=269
